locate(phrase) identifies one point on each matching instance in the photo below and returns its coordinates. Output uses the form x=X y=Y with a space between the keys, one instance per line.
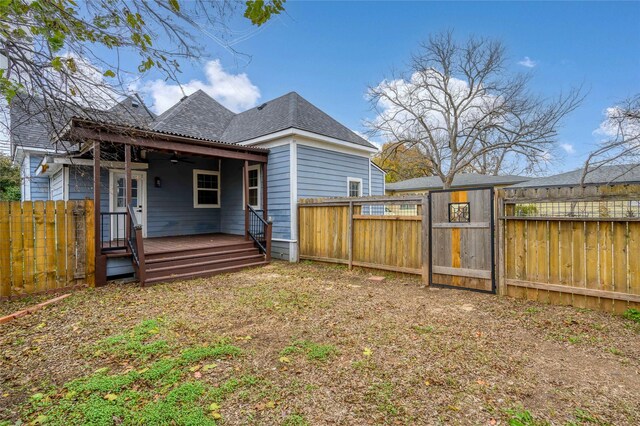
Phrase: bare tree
x=83 y=57
x=464 y=112
x=621 y=145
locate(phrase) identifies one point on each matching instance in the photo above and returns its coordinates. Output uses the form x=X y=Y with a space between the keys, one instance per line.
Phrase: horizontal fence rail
x=572 y=246
x=45 y=246
x=373 y=232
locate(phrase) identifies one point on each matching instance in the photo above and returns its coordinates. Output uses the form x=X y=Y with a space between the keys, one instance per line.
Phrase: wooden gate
x=461 y=239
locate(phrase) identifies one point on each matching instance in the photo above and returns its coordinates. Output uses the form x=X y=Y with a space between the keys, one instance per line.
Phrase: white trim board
x=143 y=185
x=309 y=135
x=293 y=191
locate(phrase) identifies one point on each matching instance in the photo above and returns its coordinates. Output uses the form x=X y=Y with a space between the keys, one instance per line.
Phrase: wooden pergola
x=91 y=134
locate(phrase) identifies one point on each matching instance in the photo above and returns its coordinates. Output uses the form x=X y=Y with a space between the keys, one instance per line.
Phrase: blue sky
x=330 y=51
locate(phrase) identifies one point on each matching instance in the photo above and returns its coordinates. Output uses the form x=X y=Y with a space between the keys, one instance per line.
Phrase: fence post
x=90 y=236
x=5 y=251
x=425 y=238
x=350 y=235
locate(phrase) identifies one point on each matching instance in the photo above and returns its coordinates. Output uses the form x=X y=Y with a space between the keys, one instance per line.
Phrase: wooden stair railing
x=136 y=245
x=260 y=232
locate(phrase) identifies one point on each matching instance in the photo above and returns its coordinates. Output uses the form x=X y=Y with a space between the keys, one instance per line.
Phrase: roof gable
x=197 y=115
x=285 y=112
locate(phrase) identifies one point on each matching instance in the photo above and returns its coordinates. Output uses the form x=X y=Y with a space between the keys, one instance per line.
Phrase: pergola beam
x=171 y=146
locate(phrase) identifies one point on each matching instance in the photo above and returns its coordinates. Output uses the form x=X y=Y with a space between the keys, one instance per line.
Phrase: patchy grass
x=311 y=344
x=633 y=315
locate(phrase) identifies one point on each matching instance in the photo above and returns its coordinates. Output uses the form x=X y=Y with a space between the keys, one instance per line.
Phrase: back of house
x=309 y=154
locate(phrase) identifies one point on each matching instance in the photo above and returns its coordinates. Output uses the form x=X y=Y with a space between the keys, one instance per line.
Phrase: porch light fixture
x=157 y=182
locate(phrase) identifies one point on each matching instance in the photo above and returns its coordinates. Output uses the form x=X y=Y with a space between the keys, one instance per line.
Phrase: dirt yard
x=314 y=344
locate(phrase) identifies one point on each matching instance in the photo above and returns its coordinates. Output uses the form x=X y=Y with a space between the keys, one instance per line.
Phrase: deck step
x=204 y=272
x=187 y=259
x=173 y=253
x=160 y=269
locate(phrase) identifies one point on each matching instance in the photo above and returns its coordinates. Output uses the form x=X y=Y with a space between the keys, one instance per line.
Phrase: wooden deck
x=190 y=242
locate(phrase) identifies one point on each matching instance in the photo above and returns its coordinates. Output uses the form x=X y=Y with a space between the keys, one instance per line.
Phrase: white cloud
x=234 y=91
x=527 y=62
x=569 y=149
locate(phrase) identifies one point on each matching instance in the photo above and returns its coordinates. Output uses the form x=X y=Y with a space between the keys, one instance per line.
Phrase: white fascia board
x=312 y=136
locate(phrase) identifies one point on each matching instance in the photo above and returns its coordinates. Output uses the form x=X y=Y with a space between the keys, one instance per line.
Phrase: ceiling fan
x=174 y=159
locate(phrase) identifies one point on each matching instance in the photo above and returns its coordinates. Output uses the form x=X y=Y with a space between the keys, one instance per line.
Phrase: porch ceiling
x=80 y=130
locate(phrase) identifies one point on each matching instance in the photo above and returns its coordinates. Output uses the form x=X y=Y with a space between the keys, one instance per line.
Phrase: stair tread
x=196 y=255
x=204 y=272
x=208 y=262
x=235 y=246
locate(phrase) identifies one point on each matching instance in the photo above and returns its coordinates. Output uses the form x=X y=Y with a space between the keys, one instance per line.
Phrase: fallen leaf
x=216 y=415
x=214 y=407
x=209 y=367
x=110 y=397
x=270 y=404
x=367 y=352
x=195 y=368
x=197 y=374
x=284 y=359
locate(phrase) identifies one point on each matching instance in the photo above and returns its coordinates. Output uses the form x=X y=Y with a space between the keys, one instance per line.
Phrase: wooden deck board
x=185 y=242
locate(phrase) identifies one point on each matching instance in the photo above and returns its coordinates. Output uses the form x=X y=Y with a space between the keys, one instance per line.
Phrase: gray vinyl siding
x=377 y=181
x=323 y=173
x=170 y=208
x=279 y=191
x=231 y=211
x=117 y=266
x=81 y=187
x=39 y=184
x=56 y=185
x=280 y=250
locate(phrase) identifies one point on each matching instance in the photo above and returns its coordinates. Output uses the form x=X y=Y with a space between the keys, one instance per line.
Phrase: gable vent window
x=354 y=187
x=206 y=189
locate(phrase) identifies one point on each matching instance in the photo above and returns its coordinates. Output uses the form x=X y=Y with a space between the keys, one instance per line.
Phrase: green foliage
x=314 y=351
x=632 y=314
x=526 y=210
x=136 y=343
x=259 y=11
x=37 y=32
x=521 y=417
x=9 y=178
x=160 y=393
x=295 y=420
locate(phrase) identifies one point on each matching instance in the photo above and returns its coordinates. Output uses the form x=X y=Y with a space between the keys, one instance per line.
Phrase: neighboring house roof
x=197 y=115
x=623 y=173
x=460 y=180
x=286 y=112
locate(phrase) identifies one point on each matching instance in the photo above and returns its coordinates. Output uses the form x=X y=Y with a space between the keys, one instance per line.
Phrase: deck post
x=245 y=181
x=101 y=260
x=265 y=213
x=128 y=191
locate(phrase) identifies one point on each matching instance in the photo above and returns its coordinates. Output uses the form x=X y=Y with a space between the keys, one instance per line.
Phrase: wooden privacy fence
x=45 y=246
x=572 y=246
x=374 y=232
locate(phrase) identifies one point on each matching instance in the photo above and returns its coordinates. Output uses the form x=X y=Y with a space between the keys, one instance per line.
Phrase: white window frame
x=257 y=167
x=197 y=172
x=353 y=179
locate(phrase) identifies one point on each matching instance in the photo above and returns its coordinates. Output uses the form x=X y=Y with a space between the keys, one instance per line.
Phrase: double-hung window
x=255 y=184
x=354 y=187
x=206 y=189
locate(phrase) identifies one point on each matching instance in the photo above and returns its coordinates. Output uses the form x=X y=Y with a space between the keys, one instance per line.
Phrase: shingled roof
x=605 y=175
x=286 y=112
x=197 y=115
x=461 y=180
